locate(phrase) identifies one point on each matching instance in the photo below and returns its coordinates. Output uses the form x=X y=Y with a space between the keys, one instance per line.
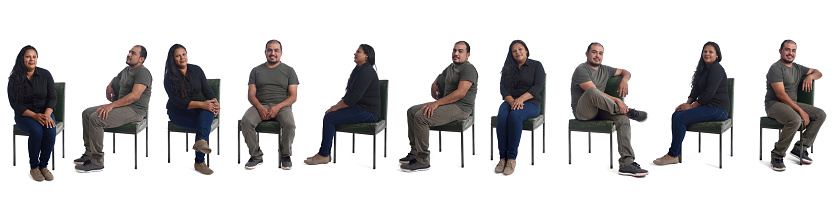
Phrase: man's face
x=133 y=58
x=595 y=55
x=460 y=54
x=788 y=52
x=273 y=52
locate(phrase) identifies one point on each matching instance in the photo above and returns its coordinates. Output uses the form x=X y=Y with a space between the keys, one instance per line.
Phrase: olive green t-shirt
x=271 y=84
x=127 y=79
x=584 y=73
x=452 y=75
x=790 y=76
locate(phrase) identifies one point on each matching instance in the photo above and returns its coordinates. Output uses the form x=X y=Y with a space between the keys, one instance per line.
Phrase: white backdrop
x=85 y=43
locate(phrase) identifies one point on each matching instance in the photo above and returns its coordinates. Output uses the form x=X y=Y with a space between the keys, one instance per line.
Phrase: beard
x=784 y=59
x=272 y=62
x=593 y=64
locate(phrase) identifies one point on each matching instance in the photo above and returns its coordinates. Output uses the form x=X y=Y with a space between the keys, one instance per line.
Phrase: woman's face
x=360 y=56
x=30 y=59
x=709 y=55
x=180 y=58
x=519 y=52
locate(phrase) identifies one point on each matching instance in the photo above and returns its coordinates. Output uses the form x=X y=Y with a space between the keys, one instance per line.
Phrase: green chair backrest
x=612 y=86
x=731 y=97
x=215 y=85
x=384 y=98
x=59 y=106
x=805 y=97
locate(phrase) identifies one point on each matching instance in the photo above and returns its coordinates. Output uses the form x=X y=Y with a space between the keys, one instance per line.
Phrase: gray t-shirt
x=128 y=78
x=790 y=76
x=585 y=73
x=452 y=75
x=271 y=83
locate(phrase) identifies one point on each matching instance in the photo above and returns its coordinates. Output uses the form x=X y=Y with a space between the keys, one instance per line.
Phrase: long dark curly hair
x=701 y=64
x=18 y=75
x=509 y=71
x=172 y=73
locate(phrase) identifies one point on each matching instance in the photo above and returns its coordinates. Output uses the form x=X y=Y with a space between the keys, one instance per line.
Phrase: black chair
x=59 y=125
x=215 y=84
x=771 y=123
x=716 y=127
x=457 y=126
x=369 y=128
x=596 y=126
x=129 y=128
x=531 y=124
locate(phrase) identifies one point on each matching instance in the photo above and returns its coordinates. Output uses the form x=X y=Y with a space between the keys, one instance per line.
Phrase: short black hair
x=465 y=43
x=274 y=40
x=592 y=44
x=142 y=52
x=785 y=42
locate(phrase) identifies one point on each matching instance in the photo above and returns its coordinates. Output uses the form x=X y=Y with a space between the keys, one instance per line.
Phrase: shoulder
x=776 y=66
x=534 y=62
x=260 y=66
x=286 y=67
x=194 y=67
x=581 y=67
x=43 y=72
x=467 y=66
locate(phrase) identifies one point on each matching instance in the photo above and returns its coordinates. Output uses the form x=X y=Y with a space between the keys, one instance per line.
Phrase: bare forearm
x=784 y=98
x=287 y=102
x=451 y=98
x=127 y=100
x=525 y=97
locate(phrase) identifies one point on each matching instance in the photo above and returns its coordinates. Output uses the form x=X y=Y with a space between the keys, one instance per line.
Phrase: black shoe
x=803 y=158
x=409 y=157
x=286 y=164
x=637 y=115
x=778 y=164
x=88 y=166
x=252 y=163
x=82 y=159
x=414 y=165
x=633 y=169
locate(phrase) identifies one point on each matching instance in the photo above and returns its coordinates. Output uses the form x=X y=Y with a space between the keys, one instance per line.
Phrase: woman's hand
x=517 y=104
x=40 y=119
x=49 y=123
x=683 y=107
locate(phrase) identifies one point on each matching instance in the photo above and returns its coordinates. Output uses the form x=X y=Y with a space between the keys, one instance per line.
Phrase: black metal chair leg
x=352 y=143
x=760 y=147
x=14 y=149
x=462 y=145
x=385 y=137
x=114 y=143
x=532 y=147
x=721 y=150
x=169 y=146
x=589 y=137
x=219 y=140
x=53 y=159
x=187 y=142
x=570 y=147
x=492 y=143
x=135 y=151
x=473 y=137
x=374 y=151
x=544 y=137
x=239 y=146
x=731 y=143
x=280 y=149
x=610 y=150
x=334 y=153
x=439 y=141
x=63 y=153
x=699 y=142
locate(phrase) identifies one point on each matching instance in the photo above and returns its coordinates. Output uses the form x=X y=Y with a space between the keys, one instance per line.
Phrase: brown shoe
x=202 y=146
x=316 y=160
x=509 y=167
x=500 y=166
x=36 y=174
x=202 y=168
x=47 y=175
x=666 y=160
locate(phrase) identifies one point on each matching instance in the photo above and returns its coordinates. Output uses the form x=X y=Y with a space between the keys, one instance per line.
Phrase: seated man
x=781 y=104
x=589 y=102
x=454 y=102
x=130 y=106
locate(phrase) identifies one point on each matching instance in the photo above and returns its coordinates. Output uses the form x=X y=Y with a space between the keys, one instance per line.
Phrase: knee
x=621 y=120
x=794 y=122
x=287 y=124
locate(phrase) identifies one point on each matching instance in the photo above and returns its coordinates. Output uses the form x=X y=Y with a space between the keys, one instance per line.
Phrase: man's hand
x=622 y=89
x=104 y=110
x=263 y=112
x=808 y=84
x=429 y=108
x=804 y=117
x=622 y=107
x=273 y=111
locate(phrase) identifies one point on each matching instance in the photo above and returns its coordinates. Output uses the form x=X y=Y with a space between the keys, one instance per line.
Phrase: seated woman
x=184 y=83
x=32 y=96
x=360 y=104
x=520 y=86
x=708 y=101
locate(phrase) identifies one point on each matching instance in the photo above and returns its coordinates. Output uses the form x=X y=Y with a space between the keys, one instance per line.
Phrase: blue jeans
x=509 y=126
x=346 y=115
x=195 y=119
x=680 y=119
x=41 y=140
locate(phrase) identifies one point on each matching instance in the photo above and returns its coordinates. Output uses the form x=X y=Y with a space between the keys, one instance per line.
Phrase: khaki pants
x=419 y=127
x=93 y=128
x=594 y=105
x=251 y=120
x=784 y=114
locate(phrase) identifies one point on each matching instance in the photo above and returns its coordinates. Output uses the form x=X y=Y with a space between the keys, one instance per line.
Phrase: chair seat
x=771 y=123
x=129 y=128
x=273 y=127
x=530 y=124
x=362 y=128
x=716 y=127
x=59 y=126
x=457 y=126
x=175 y=128
x=597 y=126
